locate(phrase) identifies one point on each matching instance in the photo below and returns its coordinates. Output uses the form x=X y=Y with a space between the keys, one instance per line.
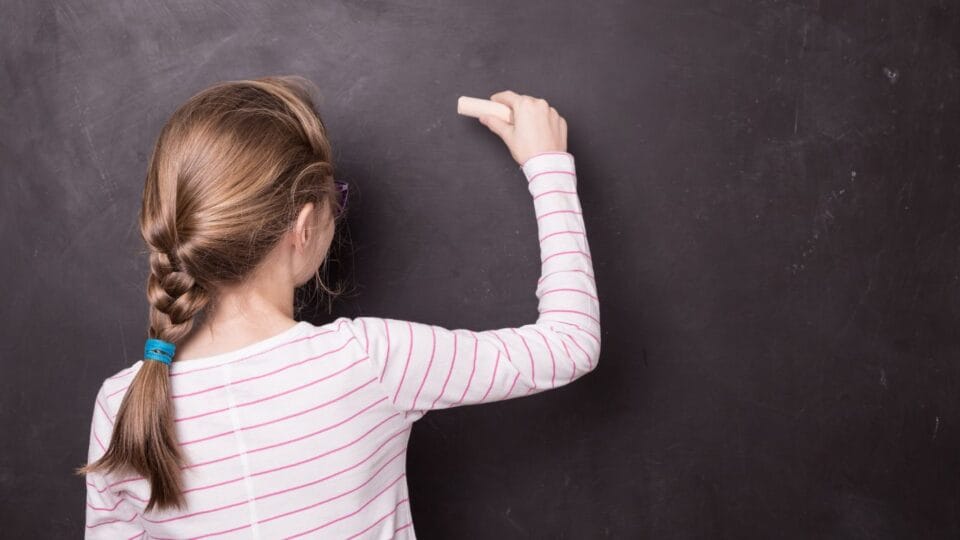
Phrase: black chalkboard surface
x=772 y=200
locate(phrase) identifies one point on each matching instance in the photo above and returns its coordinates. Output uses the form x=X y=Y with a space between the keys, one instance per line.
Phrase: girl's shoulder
x=123 y=375
x=113 y=387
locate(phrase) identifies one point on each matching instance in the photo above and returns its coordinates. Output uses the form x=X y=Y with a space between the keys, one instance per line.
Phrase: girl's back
x=304 y=434
x=292 y=435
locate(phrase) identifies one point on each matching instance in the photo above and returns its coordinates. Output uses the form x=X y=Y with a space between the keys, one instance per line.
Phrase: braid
x=175 y=297
x=144 y=436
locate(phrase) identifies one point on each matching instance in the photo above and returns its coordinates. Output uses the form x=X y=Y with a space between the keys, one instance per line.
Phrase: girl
x=240 y=422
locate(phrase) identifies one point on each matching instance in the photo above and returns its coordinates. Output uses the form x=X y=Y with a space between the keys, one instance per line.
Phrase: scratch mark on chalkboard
x=107 y=185
x=512 y=522
x=883 y=378
x=771 y=408
x=796 y=105
x=908 y=182
x=232 y=13
x=796 y=115
x=936 y=427
x=821 y=223
x=123 y=343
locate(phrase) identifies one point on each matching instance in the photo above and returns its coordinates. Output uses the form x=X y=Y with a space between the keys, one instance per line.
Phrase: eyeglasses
x=342 y=190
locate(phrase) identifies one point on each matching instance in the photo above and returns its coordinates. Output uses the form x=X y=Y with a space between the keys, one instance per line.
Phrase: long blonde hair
x=229 y=173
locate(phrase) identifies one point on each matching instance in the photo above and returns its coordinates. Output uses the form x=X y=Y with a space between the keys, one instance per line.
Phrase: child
x=264 y=427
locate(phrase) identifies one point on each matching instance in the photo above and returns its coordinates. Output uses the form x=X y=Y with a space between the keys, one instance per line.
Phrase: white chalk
x=476 y=107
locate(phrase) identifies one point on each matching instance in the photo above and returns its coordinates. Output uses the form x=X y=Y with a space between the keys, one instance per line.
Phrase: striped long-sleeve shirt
x=304 y=434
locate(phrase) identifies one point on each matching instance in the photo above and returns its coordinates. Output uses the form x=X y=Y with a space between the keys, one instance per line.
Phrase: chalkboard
x=771 y=196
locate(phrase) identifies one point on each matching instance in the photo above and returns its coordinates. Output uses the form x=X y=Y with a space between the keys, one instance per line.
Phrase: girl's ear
x=305 y=228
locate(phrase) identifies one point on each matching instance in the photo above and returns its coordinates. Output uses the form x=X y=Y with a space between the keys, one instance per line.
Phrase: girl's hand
x=537 y=127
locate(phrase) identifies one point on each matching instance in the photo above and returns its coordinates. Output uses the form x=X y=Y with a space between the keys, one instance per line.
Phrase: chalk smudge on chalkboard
x=821 y=223
x=936 y=427
x=891 y=74
x=107 y=185
x=512 y=522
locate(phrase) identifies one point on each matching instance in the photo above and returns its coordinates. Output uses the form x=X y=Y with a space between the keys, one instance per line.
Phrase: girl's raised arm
x=423 y=367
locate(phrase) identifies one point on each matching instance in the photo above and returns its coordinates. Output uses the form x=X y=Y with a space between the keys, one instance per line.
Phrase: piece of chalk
x=476 y=107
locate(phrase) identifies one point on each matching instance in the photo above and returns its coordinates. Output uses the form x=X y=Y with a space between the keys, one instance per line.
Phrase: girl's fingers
x=507 y=97
x=497 y=126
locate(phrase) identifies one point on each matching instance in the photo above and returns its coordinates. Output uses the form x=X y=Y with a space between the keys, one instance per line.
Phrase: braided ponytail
x=175 y=298
x=230 y=172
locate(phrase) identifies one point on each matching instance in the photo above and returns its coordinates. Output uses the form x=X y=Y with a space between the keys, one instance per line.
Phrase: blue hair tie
x=160 y=350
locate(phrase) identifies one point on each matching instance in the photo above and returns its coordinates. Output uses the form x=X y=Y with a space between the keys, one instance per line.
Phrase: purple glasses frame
x=343 y=188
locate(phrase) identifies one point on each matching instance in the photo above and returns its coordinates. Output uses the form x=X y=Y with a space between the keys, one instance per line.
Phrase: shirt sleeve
x=107 y=514
x=423 y=367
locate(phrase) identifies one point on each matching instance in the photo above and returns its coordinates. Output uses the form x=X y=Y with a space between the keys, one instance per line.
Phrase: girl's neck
x=239 y=317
